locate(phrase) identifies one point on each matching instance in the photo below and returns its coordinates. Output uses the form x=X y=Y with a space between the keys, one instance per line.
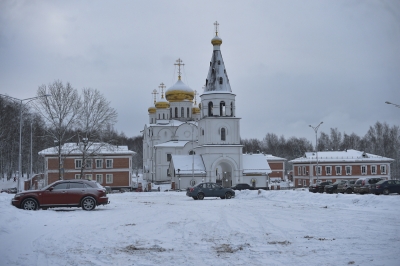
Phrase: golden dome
x=195 y=110
x=152 y=110
x=179 y=92
x=216 y=40
x=162 y=104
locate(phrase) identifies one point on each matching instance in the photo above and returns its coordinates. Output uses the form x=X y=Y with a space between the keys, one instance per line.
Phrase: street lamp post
x=20 y=130
x=397 y=151
x=179 y=178
x=316 y=144
x=398 y=106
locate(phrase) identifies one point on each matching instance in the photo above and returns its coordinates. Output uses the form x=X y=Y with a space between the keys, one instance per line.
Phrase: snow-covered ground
x=167 y=228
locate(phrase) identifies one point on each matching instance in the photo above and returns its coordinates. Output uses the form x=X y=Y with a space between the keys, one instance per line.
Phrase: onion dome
x=152 y=110
x=195 y=110
x=216 y=40
x=179 y=92
x=162 y=104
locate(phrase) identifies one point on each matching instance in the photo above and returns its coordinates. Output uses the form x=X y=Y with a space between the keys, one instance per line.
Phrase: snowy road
x=168 y=228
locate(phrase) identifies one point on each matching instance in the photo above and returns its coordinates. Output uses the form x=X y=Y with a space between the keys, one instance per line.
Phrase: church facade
x=186 y=143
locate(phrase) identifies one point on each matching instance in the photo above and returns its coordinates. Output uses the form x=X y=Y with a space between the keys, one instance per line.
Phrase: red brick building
x=338 y=165
x=107 y=164
x=277 y=165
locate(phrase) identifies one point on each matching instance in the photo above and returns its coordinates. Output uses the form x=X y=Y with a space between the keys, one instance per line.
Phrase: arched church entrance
x=224 y=177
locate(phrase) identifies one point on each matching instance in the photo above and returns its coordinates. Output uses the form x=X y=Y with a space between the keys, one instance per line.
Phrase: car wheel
x=88 y=203
x=228 y=195
x=348 y=191
x=29 y=204
x=386 y=191
x=195 y=198
x=200 y=196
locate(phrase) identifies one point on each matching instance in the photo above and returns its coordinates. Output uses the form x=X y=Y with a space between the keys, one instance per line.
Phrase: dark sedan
x=209 y=189
x=319 y=187
x=333 y=188
x=386 y=187
x=64 y=193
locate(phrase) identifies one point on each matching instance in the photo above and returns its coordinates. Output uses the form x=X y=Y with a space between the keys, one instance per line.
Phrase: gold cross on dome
x=155 y=95
x=179 y=64
x=216 y=24
x=162 y=86
x=195 y=95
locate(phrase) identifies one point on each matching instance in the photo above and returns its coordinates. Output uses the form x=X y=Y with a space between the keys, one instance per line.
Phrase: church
x=186 y=143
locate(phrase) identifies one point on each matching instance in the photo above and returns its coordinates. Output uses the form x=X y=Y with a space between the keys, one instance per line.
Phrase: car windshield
x=381 y=182
x=337 y=183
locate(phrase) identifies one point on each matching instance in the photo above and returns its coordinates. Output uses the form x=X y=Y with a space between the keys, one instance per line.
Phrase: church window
x=151 y=121
x=225 y=71
x=222 y=108
x=170 y=112
x=210 y=109
x=223 y=137
x=231 y=109
x=169 y=157
x=182 y=112
x=206 y=82
x=163 y=116
x=176 y=111
x=220 y=80
x=213 y=70
x=202 y=132
x=188 y=114
x=192 y=152
x=210 y=63
x=219 y=62
x=158 y=116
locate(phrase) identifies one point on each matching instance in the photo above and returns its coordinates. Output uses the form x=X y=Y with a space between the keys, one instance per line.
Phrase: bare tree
x=60 y=113
x=95 y=117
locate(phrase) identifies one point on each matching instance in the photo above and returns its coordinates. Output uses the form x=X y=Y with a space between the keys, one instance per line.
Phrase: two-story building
x=109 y=165
x=338 y=165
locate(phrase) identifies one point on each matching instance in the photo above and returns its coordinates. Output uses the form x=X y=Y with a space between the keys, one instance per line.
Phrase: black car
x=319 y=187
x=386 y=187
x=209 y=189
x=334 y=187
x=242 y=187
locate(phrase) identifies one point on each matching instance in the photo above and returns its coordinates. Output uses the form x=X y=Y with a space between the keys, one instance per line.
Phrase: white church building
x=188 y=144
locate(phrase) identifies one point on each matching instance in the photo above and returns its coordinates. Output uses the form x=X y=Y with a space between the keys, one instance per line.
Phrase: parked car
x=4 y=190
x=64 y=193
x=12 y=190
x=363 y=184
x=209 y=189
x=319 y=187
x=346 y=187
x=386 y=187
x=244 y=186
x=333 y=188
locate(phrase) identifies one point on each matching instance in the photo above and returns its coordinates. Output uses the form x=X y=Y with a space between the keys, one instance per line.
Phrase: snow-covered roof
x=98 y=148
x=340 y=156
x=172 y=123
x=184 y=164
x=270 y=157
x=255 y=163
x=173 y=143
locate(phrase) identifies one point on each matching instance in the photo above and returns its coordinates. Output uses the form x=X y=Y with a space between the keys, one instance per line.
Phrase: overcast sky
x=290 y=63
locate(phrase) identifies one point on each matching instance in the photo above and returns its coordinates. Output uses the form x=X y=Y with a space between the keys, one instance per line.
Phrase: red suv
x=64 y=193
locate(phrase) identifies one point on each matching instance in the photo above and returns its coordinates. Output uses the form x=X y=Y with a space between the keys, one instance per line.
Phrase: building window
x=99 y=178
x=220 y=80
x=373 y=169
x=319 y=170
x=383 y=169
x=304 y=170
x=158 y=116
x=363 y=169
x=304 y=183
x=231 y=109
x=77 y=176
x=202 y=132
x=223 y=134
x=99 y=163
x=78 y=163
x=176 y=112
x=88 y=163
x=328 y=170
x=222 y=108
x=192 y=182
x=182 y=112
x=299 y=170
x=299 y=182
x=169 y=156
x=338 y=170
x=170 y=112
x=163 y=116
x=348 y=170
x=210 y=109
x=219 y=62
x=109 y=178
x=88 y=176
x=109 y=163
x=188 y=113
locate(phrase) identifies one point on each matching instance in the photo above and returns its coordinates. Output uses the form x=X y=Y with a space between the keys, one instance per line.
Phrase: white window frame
x=88 y=164
x=109 y=178
x=99 y=163
x=304 y=182
x=108 y=164
x=363 y=169
x=374 y=169
x=346 y=168
x=319 y=170
x=340 y=170
x=299 y=181
x=299 y=170
x=304 y=170
x=99 y=178
x=328 y=170
x=78 y=163
x=89 y=176
x=383 y=169
x=77 y=176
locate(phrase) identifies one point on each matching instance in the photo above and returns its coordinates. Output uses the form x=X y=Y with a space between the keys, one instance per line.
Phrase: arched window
x=206 y=82
x=188 y=114
x=170 y=112
x=176 y=111
x=223 y=137
x=219 y=62
x=231 y=109
x=220 y=80
x=182 y=112
x=163 y=116
x=158 y=116
x=222 y=108
x=213 y=70
x=192 y=152
x=210 y=109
